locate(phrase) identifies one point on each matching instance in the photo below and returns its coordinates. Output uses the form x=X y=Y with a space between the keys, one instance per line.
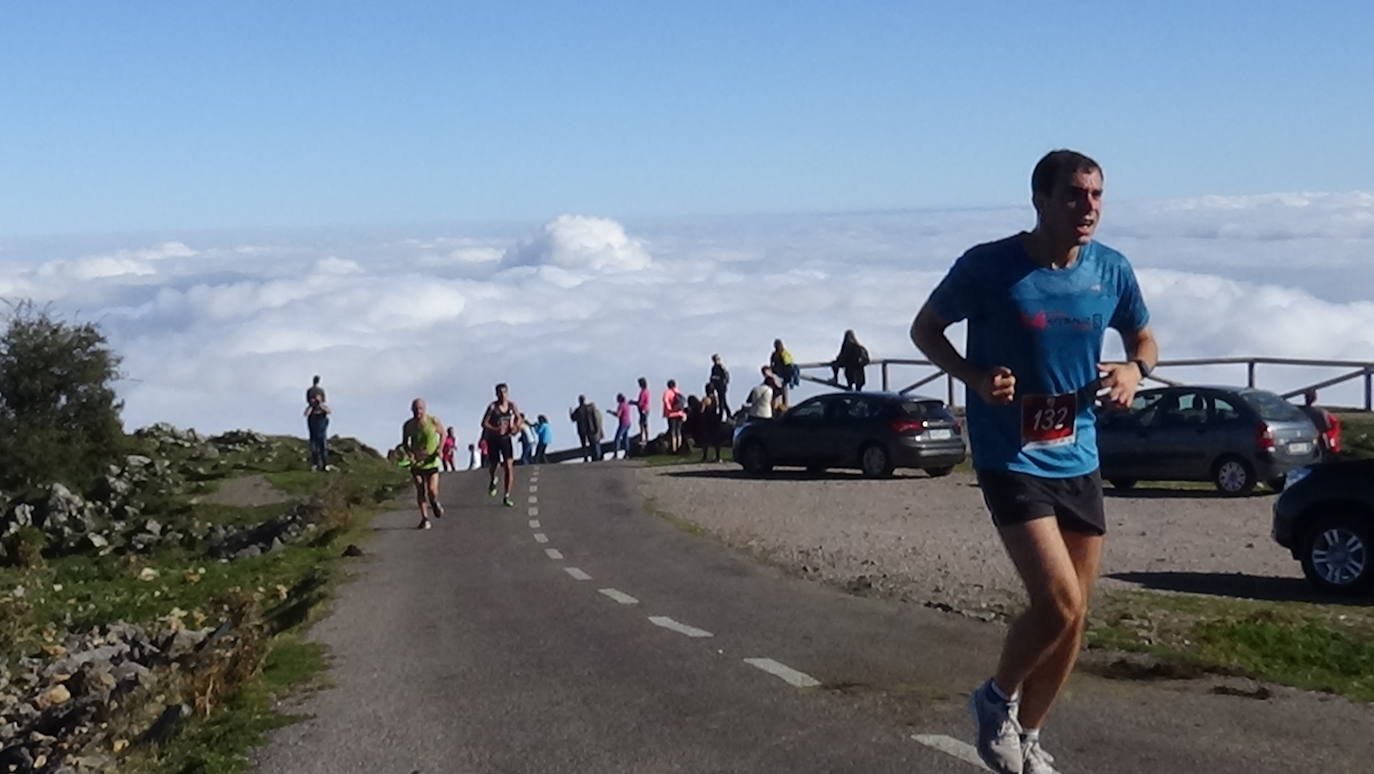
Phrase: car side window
x=859 y=409
x=1224 y=411
x=812 y=411
x=1192 y=410
x=1155 y=413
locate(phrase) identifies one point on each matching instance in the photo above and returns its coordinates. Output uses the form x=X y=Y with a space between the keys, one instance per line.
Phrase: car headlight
x=1295 y=475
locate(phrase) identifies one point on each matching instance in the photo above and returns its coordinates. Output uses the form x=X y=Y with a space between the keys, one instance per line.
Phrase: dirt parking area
x=931 y=541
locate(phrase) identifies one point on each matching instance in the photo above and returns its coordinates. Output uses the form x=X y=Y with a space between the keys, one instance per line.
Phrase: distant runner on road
x=422 y=438
x=500 y=424
x=1038 y=304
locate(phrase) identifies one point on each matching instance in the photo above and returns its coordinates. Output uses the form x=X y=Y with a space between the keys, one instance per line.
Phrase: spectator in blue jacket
x=544 y=433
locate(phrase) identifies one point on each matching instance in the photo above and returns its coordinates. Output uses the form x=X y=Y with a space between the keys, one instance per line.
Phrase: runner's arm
x=1121 y=380
x=928 y=334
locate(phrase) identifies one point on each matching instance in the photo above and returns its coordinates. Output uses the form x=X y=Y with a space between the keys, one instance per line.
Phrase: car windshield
x=926 y=409
x=1271 y=407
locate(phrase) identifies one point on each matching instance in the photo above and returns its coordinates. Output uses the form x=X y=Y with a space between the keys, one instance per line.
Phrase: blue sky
x=179 y=116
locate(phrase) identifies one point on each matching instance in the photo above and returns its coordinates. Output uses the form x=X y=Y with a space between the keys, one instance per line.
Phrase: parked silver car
x=1234 y=437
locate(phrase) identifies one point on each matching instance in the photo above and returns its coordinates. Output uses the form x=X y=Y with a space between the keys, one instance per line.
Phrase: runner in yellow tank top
x=422 y=438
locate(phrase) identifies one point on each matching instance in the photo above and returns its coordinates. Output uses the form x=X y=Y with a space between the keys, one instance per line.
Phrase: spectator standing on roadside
x=761 y=398
x=712 y=415
x=675 y=411
x=644 y=404
x=544 y=433
x=527 y=442
x=317 y=413
x=450 y=445
x=852 y=359
x=472 y=456
x=589 y=428
x=691 y=426
x=621 y=412
x=1328 y=426
x=720 y=381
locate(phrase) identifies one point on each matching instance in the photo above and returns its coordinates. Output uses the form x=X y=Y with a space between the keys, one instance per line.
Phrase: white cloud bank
x=221 y=335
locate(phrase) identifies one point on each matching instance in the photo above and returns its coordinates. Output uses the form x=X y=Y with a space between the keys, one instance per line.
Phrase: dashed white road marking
x=554 y=553
x=540 y=537
x=620 y=596
x=534 y=511
x=533 y=487
x=534 y=523
x=951 y=746
x=576 y=573
x=680 y=628
x=787 y=673
x=533 y=500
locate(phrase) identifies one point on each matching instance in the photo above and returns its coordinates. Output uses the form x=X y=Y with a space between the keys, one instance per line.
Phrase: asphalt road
x=578 y=632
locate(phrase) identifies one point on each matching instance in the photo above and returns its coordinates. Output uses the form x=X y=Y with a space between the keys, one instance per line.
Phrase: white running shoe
x=437 y=509
x=1036 y=760
x=997 y=730
x=424 y=524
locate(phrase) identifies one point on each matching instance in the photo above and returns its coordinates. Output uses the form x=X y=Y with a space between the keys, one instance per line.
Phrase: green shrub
x=59 y=416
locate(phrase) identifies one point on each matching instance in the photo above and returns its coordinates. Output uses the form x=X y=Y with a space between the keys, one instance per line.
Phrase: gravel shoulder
x=931 y=541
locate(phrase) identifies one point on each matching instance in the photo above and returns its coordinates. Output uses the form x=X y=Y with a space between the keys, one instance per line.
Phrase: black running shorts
x=1016 y=498
x=499 y=448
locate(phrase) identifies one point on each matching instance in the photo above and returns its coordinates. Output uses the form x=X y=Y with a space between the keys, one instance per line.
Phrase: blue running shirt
x=1046 y=325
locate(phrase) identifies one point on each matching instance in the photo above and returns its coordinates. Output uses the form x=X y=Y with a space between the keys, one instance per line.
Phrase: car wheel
x=1276 y=484
x=940 y=472
x=875 y=462
x=754 y=459
x=1123 y=483
x=1234 y=476
x=1336 y=554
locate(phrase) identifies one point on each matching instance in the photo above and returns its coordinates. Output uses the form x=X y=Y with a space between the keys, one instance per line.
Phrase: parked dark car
x=1235 y=437
x=872 y=431
x=1325 y=516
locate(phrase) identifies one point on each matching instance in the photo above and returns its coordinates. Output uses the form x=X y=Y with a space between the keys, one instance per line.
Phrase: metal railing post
x=1369 y=389
x=949 y=379
x=885 y=384
x=1250 y=381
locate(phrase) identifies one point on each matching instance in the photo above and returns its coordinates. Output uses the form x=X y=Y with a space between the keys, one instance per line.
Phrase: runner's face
x=501 y=394
x=1072 y=210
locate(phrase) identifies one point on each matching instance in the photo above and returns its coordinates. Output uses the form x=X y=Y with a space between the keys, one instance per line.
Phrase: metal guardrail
x=1358 y=370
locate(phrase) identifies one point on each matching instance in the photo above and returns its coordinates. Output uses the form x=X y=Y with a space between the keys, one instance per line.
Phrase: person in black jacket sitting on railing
x=852 y=358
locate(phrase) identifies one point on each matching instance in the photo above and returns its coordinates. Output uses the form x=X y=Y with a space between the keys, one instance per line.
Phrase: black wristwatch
x=1144 y=369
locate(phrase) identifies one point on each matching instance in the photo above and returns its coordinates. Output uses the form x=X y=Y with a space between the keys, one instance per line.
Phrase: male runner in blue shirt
x=1038 y=304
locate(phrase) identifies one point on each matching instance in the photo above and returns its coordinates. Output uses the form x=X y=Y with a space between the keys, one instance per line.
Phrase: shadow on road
x=1258 y=587
x=1166 y=493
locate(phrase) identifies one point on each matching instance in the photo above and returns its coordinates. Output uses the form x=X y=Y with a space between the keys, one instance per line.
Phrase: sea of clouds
x=223 y=331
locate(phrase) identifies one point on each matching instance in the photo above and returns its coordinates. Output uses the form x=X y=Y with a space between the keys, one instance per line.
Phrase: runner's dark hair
x=1057 y=165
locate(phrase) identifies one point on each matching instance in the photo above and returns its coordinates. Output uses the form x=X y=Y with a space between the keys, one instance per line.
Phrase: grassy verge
x=1312 y=646
x=177 y=583
x=694 y=458
x=219 y=744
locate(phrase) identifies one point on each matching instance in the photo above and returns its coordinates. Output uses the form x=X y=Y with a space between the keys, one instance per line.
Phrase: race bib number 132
x=1048 y=420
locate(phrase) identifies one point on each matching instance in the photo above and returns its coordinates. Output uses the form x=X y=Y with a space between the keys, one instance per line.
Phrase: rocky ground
x=930 y=540
x=149 y=597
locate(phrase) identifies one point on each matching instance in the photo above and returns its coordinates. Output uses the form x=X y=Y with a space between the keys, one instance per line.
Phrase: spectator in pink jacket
x=675 y=411
x=645 y=406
